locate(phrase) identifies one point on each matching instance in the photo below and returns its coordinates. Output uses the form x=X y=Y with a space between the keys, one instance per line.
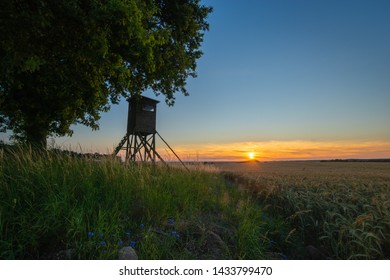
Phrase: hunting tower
x=140 y=139
x=142 y=115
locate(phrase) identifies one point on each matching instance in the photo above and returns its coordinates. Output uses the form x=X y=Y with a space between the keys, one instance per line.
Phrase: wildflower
x=127 y=233
x=100 y=235
x=174 y=233
x=142 y=225
x=90 y=234
x=103 y=243
x=132 y=244
x=120 y=242
x=171 y=221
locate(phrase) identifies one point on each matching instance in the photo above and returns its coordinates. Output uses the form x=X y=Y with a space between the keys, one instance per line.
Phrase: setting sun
x=251 y=155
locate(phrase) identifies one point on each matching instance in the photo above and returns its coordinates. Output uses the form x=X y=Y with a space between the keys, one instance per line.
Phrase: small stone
x=216 y=245
x=127 y=253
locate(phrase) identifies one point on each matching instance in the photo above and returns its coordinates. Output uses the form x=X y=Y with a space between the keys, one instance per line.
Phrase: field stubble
x=340 y=208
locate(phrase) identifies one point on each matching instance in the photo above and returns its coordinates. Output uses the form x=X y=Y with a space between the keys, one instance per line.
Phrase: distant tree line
x=358 y=160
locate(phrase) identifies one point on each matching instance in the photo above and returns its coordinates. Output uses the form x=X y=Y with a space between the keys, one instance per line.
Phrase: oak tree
x=65 y=62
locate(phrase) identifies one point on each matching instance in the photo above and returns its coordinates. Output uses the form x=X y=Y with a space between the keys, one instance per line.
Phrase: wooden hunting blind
x=142 y=115
x=140 y=139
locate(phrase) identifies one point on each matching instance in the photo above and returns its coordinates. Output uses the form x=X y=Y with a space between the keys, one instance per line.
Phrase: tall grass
x=53 y=205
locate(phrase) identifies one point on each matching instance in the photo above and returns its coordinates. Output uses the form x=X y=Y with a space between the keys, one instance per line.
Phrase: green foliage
x=64 y=62
x=53 y=205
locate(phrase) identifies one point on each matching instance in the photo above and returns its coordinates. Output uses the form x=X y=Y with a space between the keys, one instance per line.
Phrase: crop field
x=340 y=210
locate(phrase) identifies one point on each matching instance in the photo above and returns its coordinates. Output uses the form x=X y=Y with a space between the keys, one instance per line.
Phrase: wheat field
x=341 y=208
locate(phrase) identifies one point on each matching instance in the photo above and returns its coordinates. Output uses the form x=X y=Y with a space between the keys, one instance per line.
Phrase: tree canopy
x=65 y=62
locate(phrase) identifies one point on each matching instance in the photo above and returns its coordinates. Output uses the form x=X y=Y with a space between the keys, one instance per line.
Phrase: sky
x=283 y=79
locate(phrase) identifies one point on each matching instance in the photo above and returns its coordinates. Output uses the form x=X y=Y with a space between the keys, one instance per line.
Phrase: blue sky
x=276 y=74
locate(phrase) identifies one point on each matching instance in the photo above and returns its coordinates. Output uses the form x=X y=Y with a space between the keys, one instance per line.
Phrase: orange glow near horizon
x=251 y=155
x=282 y=150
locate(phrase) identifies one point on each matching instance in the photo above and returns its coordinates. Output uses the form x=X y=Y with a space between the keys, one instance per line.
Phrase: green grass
x=53 y=205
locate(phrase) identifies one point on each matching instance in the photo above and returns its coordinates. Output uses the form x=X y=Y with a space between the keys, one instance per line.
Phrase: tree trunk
x=37 y=136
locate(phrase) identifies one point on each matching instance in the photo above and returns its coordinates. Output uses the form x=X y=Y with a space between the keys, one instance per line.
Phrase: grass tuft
x=57 y=206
